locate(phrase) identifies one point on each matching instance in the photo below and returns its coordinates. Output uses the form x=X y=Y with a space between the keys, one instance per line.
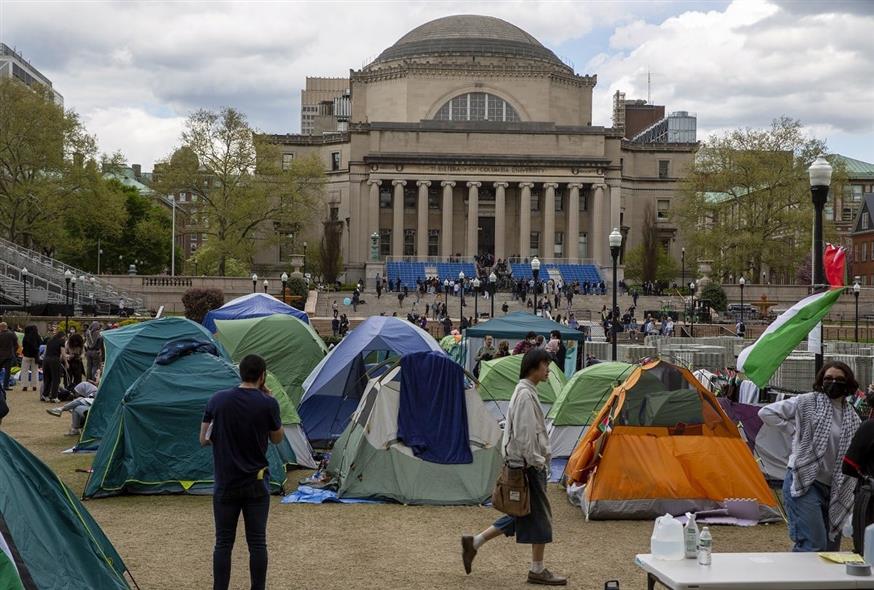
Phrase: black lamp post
x=24 y=273
x=460 y=295
x=857 y=289
x=742 y=282
x=73 y=295
x=615 y=239
x=68 y=276
x=535 y=269
x=692 y=290
x=284 y=279
x=683 y=267
x=254 y=282
x=304 y=266
x=266 y=285
x=493 y=284
x=820 y=178
x=476 y=283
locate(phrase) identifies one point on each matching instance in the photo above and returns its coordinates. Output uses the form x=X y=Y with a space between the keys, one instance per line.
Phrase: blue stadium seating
x=407 y=272
x=569 y=272
x=410 y=272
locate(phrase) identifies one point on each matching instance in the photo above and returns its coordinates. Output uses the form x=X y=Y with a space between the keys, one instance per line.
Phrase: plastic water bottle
x=705 y=547
x=690 y=537
x=869 y=544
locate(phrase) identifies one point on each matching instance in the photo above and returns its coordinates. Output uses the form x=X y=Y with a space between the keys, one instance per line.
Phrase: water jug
x=667 y=539
x=869 y=544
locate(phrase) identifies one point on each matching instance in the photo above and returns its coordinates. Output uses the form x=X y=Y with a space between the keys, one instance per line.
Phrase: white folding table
x=751 y=571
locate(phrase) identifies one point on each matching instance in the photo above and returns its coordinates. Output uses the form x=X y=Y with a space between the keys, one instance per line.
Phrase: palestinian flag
x=760 y=360
x=9 y=576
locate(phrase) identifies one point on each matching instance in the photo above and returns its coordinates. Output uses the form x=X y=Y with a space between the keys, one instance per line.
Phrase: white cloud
x=141 y=137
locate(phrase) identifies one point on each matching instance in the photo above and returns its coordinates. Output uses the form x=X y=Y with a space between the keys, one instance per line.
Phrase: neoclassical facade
x=468 y=136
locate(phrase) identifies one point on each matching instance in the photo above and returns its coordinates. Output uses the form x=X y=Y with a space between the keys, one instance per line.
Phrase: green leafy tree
x=242 y=192
x=746 y=200
x=330 y=254
x=649 y=261
x=715 y=295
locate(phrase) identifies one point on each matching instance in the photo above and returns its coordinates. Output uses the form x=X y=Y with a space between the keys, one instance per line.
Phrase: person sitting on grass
x=84 y=394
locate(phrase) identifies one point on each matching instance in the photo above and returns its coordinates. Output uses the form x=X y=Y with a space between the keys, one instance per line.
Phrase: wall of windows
x=477 y=106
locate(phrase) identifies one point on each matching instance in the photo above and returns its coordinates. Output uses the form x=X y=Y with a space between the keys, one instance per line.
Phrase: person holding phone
x=238 y=423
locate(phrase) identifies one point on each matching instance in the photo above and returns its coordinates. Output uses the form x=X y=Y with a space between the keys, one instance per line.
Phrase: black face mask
x=834 y=389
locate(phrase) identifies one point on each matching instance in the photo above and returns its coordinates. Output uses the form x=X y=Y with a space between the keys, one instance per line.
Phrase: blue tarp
x=310 y=495
x=254 y=305
x=432 y=414
x=333 y=389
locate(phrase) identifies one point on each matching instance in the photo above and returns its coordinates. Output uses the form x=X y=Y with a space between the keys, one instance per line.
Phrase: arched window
x=477 y=106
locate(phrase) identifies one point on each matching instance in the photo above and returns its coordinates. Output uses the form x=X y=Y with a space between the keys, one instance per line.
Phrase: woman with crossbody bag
x=525 y=445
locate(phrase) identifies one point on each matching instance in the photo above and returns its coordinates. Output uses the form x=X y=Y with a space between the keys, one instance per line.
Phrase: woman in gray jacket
x=525 y=444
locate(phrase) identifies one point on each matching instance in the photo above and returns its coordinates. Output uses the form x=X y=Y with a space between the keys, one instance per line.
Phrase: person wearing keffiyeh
x=817 y=494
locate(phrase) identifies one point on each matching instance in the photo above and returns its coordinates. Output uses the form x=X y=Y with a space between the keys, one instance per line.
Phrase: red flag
x=834 y=260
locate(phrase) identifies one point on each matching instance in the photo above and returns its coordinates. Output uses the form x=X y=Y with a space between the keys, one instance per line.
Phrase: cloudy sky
x=134 y=70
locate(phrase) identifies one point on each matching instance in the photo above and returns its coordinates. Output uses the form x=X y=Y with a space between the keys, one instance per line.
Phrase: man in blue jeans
x=238 y=423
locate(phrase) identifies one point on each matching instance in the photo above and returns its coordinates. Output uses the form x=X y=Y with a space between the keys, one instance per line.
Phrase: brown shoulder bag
x=511 y=489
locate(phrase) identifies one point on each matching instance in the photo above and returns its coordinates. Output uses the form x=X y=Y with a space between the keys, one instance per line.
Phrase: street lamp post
x=692 y=290
x=820 y=178
x=476 y=283
x=254 y=282
x=460 y=296
x=304 y=269
x=99 y=252
x=857 y=289
x=446 y=291
x=493 y=284
x=535 y=270
x=266 y=285
x=615 y=240
x=93 y=297
x=68 y=276
x=683 y=267
x=742 y=282
x=24 y=273
x=284 y=279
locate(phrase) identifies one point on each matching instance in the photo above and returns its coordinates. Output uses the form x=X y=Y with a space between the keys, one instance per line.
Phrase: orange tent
x=662 y=444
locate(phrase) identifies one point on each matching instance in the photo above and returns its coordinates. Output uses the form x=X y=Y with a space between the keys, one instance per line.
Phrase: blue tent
x=253 y=305
x=333 y=389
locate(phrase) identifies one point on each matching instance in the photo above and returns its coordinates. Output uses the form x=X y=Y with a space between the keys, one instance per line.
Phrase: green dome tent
x=130 y=351
x=152 y=444
x=38 y=512
x=578 y=402
x=498 y=379
x=291 y=348
x=294 y=434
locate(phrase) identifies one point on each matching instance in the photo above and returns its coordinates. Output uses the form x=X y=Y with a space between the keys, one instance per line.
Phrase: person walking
x=817 y=494
x=93 y=350
x=8 y=349
x=29 y=356
x=51 y=367
x=238 y=423
x=525 y=444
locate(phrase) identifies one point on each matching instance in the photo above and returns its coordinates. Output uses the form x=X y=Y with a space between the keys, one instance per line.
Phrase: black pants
x=6 y=366
x=51 y=377
x=254 y=502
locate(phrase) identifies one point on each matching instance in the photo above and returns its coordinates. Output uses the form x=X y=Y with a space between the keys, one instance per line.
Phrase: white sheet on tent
x=303 y=452
x=381 y=429
x=773 y=447
x=748 y=392
x=706 y=378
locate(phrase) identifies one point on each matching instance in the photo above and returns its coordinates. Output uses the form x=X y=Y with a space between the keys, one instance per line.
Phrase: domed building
x=468 y=136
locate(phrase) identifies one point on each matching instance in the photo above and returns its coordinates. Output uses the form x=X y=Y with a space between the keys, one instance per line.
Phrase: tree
x=715 y=295
x=649 y=260
x=198 y=302
x=242 y=192
x=329 y=251
x=747 y=196
x=47 y=166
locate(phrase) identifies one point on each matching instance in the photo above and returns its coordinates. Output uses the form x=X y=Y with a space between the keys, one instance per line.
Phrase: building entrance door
x=486 y=240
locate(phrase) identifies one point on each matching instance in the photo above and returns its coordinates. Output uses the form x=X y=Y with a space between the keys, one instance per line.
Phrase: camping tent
x=451 y=345
x=294 y=434
x=498 y=379
x=253 y=305
x=771 y=445
x=290 y=347
x=152 y=442
x=664 y=445
x=579 y=401
x=333 y=388
x=38 y=512
x=417 y=437
x=130 y=351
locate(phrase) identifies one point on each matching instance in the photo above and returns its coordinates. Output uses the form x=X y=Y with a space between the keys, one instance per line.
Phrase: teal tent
x=129 y=352
x=48 y=540
x=515 y=325
x=152 y=445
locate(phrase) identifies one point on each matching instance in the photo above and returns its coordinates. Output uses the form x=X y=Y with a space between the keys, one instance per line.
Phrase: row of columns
x=600 y=225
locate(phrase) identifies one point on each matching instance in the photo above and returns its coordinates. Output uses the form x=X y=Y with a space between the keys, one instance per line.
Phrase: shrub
x=199 y=301
x=128 y=322
x=63 y=325
x=715 y=295
x=296 y=286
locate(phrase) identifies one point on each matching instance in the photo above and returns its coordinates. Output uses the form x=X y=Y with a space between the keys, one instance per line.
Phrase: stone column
x=472 y=217
x=446 y=223
x=599 y=236
x=548 y=237
x=614 y=192
x=397 y=226
x=500 y=220
x=572 y=241
x=372 y=212
x=422 y=223
x=525 y=219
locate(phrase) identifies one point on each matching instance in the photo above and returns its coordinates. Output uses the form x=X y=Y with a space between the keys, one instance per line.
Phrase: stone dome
x=468 y=35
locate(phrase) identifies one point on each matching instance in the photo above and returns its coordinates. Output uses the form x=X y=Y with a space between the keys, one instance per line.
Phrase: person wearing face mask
x=817 y=494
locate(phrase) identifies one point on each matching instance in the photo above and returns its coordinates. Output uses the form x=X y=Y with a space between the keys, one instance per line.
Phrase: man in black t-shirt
x=237 y=423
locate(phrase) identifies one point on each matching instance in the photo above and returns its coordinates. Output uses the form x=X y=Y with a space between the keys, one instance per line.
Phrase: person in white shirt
x=525 y=444
x=818 y=496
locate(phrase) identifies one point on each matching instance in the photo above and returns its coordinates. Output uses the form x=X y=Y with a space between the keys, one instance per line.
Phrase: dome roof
x=468 y=35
